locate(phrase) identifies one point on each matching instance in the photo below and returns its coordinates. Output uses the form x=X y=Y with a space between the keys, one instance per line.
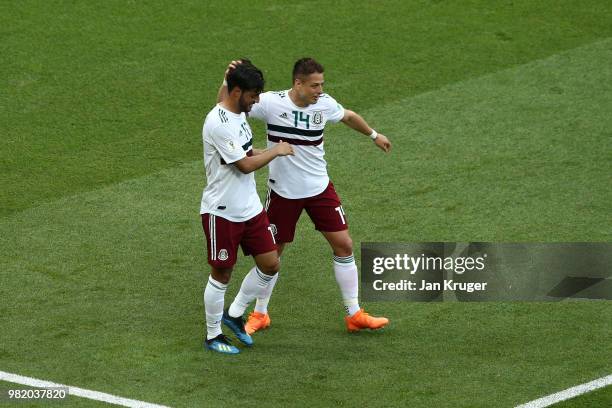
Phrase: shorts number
x=341 y=213
x=271 y=233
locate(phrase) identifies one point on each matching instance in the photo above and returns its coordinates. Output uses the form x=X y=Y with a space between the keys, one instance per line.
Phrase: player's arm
x=257 y=152
x=356 y=122
x=257 y=161
x=222 y=94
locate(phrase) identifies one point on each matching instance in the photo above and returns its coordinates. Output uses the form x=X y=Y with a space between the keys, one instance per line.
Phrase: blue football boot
x=236 y=325
x=221 y=344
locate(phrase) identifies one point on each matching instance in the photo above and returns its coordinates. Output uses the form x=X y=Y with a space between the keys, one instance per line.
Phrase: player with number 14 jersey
x=305 y=173
x=298 y=116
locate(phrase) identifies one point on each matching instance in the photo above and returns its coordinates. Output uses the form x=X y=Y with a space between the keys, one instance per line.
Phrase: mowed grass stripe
x=103 y=289
x=520 y=110
x=523 y=154
x=106 y=91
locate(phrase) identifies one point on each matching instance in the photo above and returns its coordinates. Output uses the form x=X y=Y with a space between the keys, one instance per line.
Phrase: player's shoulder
x=327 y=101
x=275 y=95
x=224 y=116
x=216 y=117
x=325 y=97
x=219 y=121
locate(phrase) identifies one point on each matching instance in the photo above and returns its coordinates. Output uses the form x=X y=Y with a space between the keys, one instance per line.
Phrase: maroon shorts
x=223 y=237
x=325 y=211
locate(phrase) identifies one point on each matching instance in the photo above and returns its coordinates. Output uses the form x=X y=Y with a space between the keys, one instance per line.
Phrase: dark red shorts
x=325 y=211
x=223 y=237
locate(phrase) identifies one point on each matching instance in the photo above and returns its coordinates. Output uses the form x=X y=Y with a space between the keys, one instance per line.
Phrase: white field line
x=79 y=392
x=569 y=393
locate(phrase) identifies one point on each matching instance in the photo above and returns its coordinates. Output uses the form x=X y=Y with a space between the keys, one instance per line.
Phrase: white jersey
x=305 y=173
x=229 y=194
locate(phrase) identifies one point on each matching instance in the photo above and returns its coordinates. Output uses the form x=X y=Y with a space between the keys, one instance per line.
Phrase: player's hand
x=383 y=143
x=232 y=65
x=284 y=149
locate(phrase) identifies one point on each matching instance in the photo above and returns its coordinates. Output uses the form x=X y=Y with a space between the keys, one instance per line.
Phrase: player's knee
x=271 y=268
x=221 y=275
x=344 y=247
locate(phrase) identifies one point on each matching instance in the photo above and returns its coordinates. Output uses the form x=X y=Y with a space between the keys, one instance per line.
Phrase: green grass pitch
x=500 y=116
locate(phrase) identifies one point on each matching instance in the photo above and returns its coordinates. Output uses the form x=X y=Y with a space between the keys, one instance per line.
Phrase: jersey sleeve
x=258 y=111
x=335 y=111
x=227 y=144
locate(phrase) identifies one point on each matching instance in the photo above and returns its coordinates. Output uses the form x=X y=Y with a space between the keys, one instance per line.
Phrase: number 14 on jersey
x=300 y=117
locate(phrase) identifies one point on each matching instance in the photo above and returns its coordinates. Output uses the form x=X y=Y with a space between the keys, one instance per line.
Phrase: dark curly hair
x=245 y=76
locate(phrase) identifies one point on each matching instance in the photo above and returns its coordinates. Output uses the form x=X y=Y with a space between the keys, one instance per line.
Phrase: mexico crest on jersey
x=317 y=117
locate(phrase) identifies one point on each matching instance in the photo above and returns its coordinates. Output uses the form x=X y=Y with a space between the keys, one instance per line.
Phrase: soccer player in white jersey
x=231 y=211
x=300 y=182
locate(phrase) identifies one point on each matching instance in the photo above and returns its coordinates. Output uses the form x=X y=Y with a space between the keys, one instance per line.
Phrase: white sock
x=253 y=285
x=347 y=277
x=214 y=298
x=262 y=302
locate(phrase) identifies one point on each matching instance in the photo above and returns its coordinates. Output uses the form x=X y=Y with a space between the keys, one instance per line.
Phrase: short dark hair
x=306 y=66
x=245 y=76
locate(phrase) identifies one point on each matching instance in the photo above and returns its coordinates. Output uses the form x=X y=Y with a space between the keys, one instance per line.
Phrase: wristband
x=224 y=82
x=373 y=135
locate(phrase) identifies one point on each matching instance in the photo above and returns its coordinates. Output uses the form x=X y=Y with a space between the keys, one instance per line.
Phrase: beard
x=243 y=105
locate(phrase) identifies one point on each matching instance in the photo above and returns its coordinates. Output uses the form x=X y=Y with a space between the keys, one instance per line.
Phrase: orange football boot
x=361 y=320
x=257 y=321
